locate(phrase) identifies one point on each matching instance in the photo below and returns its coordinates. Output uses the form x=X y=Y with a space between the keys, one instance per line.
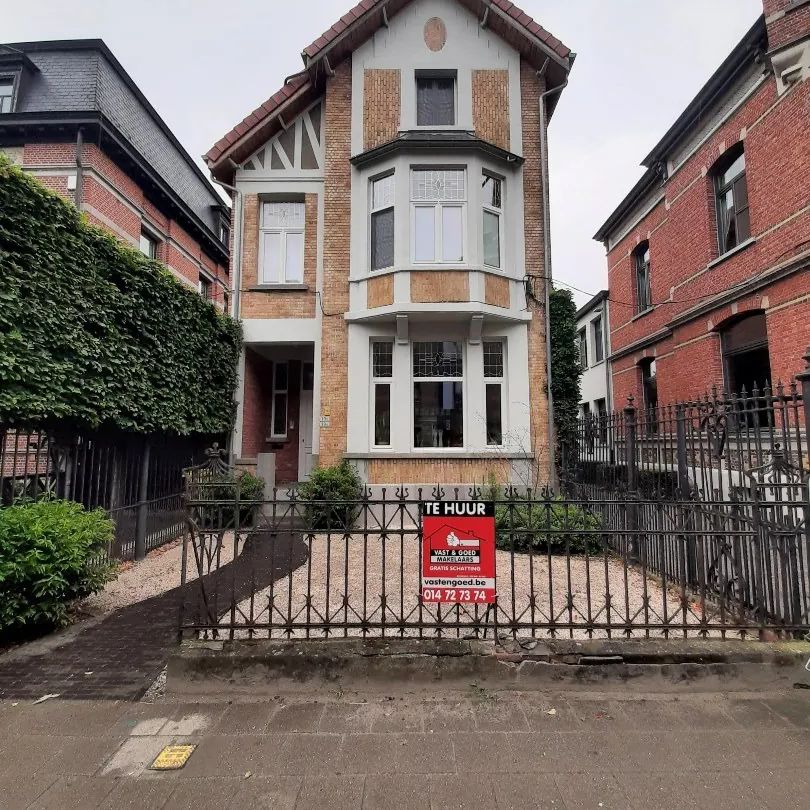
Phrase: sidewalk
x=443 y=750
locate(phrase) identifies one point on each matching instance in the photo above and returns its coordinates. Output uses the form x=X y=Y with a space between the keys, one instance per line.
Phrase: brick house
x=389 y=219
x=71 y=115
x=708 y=254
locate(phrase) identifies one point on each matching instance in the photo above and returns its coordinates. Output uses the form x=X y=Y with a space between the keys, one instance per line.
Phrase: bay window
x=281 y=243
x=438 y=199
x=494 y=388
x=382 y=370
x=438 y=394
x=492 y=221
x=382 y=223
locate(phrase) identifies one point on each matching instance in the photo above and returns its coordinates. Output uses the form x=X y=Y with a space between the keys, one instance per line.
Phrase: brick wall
x=786 y=20
x=381 y=106
x=380 y=291
x=437 y=471
x=490 y=103
x=439 y=286
x=337 y=226
x=496 y=291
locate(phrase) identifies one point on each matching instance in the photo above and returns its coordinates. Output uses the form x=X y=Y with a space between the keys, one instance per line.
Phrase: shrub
x=222 y=493
x=331 y=497
x=548 y=525
x=51 y=554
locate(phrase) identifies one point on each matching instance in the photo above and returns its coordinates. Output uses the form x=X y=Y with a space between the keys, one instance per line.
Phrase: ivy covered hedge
x=565 y=369
x=93 y=334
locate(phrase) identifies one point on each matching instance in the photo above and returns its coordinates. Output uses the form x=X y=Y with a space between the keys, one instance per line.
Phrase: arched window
x=731 y=195
x=641 y=266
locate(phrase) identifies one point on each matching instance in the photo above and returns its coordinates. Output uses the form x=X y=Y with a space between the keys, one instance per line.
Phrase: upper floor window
x=148 y=245
x=598 y=339
x=435 y=99
x=6 y=94
x=493 y=209
x=641 y=259
x=733 y=225
x=582 y=339
x=382 y=222
x=282 y=243
x=438 y=197
x=206 y=287
x=224 y=233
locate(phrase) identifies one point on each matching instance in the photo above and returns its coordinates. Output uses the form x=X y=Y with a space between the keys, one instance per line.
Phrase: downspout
x=77 y=194
x=552 y=432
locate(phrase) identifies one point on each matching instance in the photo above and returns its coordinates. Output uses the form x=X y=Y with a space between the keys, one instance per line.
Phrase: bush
x=222 y=492
x=331 y=498
x=51 y=554
x=548 y=525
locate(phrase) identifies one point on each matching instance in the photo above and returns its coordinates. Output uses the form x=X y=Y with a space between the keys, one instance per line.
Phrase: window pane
x=382 y=192
x=382 y=414
x=583 y=350
x=492 y=239
x=148 y=246
x=294 y=261
x=492 y=191
x=435 y=102
x=280 y=415
x=382 y=239
x=733 y=170
x=598 y=341
x=437 y=359
x=493 y=359
x=271 y=258
x=382 y=359
x=308 y=377
x=493 y=404
x=280 y=378
x=283 y=215
x=424 y=234
x=441 y=185
x=438 y=414
x=452 y=234
x=6 y=87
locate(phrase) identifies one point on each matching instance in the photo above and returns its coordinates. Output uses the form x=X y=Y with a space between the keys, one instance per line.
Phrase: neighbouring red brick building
x=708 y=255
x=72 y=116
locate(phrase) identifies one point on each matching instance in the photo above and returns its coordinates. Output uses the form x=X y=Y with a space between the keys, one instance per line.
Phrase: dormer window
x=6 y=94
x=435 y=99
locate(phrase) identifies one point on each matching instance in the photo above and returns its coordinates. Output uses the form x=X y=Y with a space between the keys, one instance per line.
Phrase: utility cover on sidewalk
x=172 y=758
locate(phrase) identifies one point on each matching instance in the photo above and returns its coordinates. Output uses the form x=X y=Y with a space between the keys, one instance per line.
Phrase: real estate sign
x=458 y=551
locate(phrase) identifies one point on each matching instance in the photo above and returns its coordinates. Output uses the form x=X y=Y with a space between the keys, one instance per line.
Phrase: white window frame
x=499 y=212
x=286 y=391
x=375 y=381
x=438 y=207
x=201 y=279
x=501 y=381
x=372 y=210
x=284 y=231
x=464 y=395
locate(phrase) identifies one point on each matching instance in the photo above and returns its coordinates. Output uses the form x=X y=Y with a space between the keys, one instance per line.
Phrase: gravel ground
x=338 y=566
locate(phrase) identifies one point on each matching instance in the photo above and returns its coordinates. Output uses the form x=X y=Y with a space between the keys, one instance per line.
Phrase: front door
x=305 y=422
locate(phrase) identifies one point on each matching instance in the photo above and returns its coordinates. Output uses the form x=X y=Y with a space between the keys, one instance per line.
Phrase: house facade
x=708 y=255
x=72 y=116
x=390 y=208
x=593 y=345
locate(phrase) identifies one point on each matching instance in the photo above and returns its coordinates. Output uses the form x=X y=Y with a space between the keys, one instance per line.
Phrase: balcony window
x=282 y=243
x=492 y=188
x=438 y=394
x=733 y=224
x=435 y=100
x=382 y=223
x=439 y=199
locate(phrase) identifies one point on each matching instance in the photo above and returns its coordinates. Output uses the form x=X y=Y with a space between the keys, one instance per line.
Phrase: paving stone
x=598 y=790
x=391 y=718
x=398 y=753
x=278 y=793
x=314 y=754
x=527 y=792
x=549 y=713
x=196 y=794
x=455 y=792
x=340 y=718
x=331 y=793
x=296 y=717
x=138 y=794
x=796 y=710
x=234 y=755
x=781 y=749
x=244 y=718
x=448 y=717
x=19 y=789
x=755 y=714
x=393 y=792
x=500 y=715
x=782 y=789
x=75 y=793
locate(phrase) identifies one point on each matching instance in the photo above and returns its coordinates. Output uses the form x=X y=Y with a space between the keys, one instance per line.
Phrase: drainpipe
x=552 y=433
x=77 y=194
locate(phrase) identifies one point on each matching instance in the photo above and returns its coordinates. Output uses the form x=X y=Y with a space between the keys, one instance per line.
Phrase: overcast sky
x=205 y=64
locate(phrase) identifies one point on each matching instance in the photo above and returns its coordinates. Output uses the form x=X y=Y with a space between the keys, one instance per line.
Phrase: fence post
x=631 y=428
x=680 y=436
x=143 y=491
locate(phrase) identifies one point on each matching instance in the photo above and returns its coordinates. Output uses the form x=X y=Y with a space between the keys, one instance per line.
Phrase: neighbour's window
x=438 y=198
x=598 y=340
x=649 y=387
x=583 y=348
x=278 y=418
x=438 y=398
x=226 y=302
x=206 y=287
x=282 y=243
x=224 y=233
x=492 y=221
x=382 y=223
x=641 y=257
x=382 y=370
x=6 y=95
x=602 y=418
x=493 y=377
x=733 y=224
x=435 y=100
x=148 y=245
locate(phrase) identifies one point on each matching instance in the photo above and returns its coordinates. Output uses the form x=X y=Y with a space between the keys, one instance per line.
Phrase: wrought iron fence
x=138 y=480
x=566 y=567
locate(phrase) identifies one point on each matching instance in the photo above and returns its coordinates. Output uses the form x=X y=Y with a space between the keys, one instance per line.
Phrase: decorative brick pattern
x=381 y=107
x=380 y=291
x=337 y=225
x=490 y=102
x=435 y=34
x=530 y=89
x=279 y=303
x=438 y=471
x=496 y=291
x=439 y=286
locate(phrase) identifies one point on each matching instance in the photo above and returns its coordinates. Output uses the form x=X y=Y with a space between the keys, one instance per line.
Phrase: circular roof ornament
x=435 y=33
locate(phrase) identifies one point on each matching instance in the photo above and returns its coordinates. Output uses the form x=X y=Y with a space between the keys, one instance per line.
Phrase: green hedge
x=51 y=553
x=93 y=334
x=331 y=498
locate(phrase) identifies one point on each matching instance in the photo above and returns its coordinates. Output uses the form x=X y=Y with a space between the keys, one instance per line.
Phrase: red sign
x=458 y=551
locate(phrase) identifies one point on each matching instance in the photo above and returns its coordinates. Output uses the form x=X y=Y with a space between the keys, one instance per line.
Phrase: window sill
x=278 y=288
x=277 y=439
x=733 y=252
x=642 y=314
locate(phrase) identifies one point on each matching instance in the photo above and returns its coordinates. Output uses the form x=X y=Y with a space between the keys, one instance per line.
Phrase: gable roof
x=356 y=26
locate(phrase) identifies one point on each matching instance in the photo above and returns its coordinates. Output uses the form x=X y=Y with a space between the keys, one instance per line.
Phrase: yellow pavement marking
x=172 y=757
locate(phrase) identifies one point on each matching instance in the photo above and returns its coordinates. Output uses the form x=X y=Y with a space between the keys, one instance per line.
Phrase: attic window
x=435 y=99
x=6 y=94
